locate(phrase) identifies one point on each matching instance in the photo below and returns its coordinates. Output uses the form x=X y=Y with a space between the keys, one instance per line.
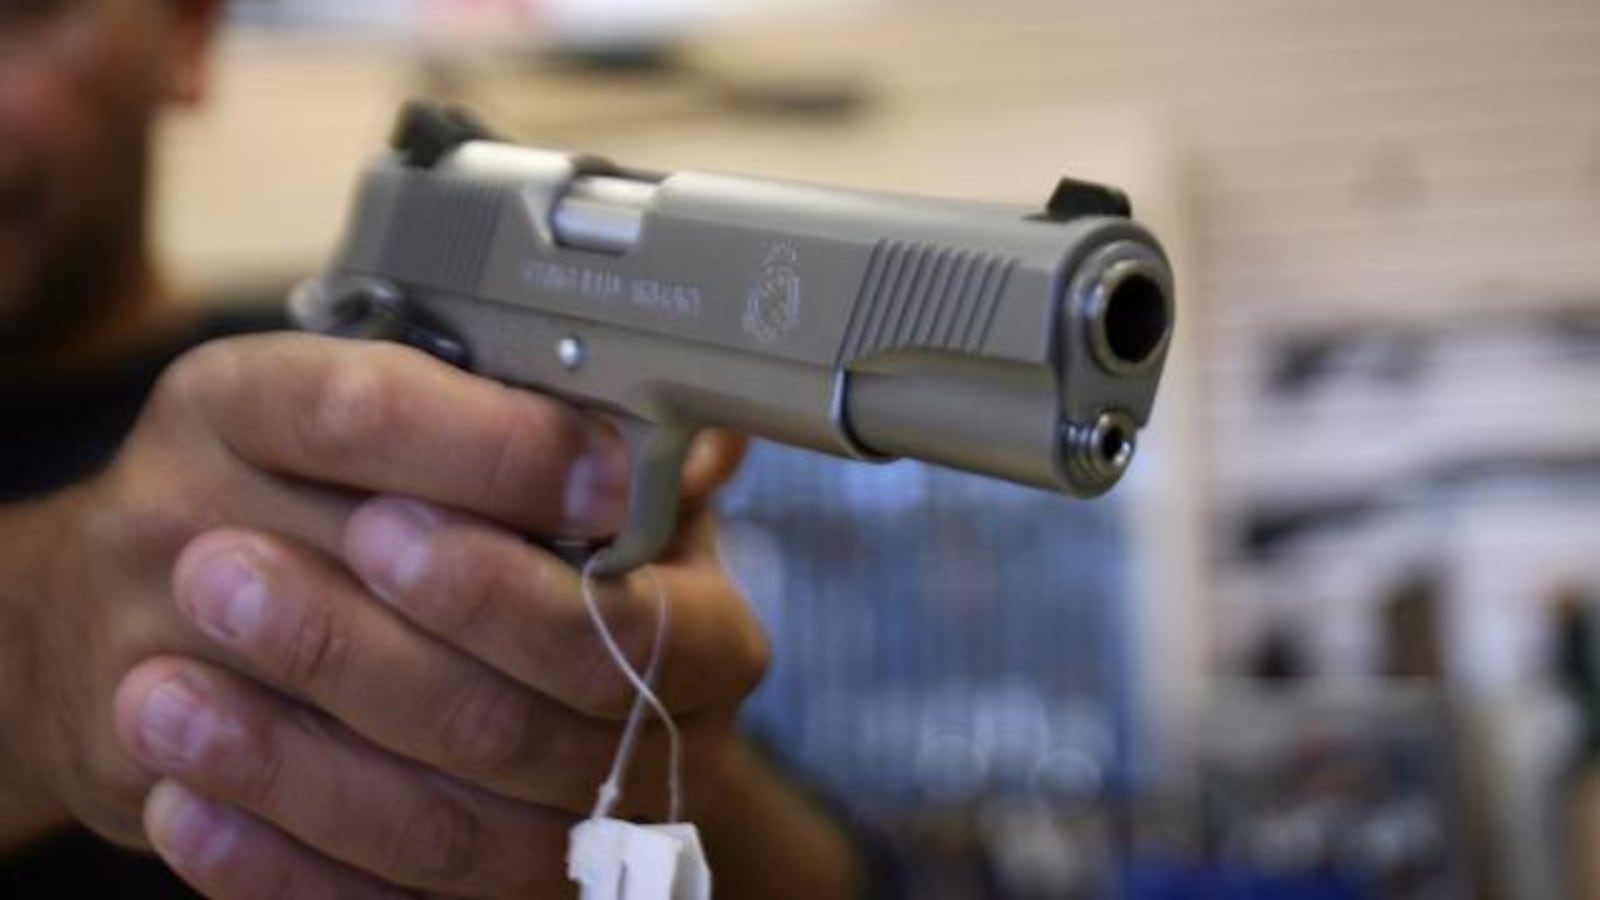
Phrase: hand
x=368 y=680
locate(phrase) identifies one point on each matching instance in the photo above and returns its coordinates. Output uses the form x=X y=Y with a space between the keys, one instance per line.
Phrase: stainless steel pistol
x=1023 y=344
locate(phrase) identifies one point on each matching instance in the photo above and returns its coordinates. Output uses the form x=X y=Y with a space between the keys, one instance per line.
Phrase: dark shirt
x=67 y=429
x=56 y=434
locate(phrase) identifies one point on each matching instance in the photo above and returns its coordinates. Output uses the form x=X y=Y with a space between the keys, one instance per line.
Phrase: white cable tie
x=611 y=790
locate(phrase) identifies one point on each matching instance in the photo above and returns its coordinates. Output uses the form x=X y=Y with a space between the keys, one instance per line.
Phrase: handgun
x=1019 y=343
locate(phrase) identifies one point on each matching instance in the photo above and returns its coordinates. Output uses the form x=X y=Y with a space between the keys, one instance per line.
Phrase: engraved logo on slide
x=773 y=308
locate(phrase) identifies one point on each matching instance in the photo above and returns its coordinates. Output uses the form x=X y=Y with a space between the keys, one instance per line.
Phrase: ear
x=194 y=28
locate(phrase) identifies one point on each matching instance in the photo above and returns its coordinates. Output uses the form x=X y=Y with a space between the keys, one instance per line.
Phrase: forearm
x=765 y=839
x=27 y=811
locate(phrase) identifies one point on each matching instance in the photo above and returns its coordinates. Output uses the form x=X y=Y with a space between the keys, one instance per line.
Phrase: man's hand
x=300 y=604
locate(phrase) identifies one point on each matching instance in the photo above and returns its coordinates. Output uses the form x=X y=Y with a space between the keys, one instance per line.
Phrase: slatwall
x=1431 y=165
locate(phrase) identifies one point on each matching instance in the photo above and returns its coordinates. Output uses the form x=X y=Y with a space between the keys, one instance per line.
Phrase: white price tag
x=616 y=860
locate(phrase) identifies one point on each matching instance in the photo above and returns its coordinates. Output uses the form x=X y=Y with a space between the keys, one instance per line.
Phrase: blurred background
x=1338 y=634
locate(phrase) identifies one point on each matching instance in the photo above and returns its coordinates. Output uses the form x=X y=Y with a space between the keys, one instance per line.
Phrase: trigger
x=657 y=454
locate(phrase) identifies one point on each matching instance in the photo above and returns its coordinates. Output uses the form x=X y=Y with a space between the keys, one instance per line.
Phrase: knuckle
x=195 y=374
x=604 y=692
x=603 y=689
x=752 y=655
x=148 y=533
x=461 y=591
x=484 y=730
x=532 y=439
x=437 y=843
x=189 y=394
x=260 y=781
x=315 y=650
x=353 y=411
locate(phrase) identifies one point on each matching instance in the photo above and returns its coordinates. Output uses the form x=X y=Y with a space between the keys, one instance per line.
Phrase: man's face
x=80 y=84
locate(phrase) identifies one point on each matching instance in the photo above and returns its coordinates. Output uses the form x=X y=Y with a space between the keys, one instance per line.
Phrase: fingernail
x=197 y=831
x=229 y=598
x=174 y=725
x=393 y=545
x=596 y=495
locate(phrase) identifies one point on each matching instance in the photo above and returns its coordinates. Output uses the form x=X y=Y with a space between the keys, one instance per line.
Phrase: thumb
x=714 y=458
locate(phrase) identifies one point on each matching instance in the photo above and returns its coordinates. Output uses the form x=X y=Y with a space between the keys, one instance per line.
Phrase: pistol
x=1023 y=344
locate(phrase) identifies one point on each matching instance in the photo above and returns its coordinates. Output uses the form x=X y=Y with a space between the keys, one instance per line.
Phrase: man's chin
x=15 y=300
x=26 y=316
x=14 y=311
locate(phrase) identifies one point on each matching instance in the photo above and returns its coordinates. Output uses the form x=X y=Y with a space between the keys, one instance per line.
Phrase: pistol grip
x=657 y=453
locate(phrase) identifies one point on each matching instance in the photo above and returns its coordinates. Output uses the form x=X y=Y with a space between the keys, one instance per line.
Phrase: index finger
x=383 y=418
x=488 y=593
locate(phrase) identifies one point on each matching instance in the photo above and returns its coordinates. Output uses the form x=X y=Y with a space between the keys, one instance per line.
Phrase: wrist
x=28 y=810
x=765 y=838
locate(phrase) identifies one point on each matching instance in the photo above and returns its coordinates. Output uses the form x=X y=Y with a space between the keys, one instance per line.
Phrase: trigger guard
x=657 y=454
